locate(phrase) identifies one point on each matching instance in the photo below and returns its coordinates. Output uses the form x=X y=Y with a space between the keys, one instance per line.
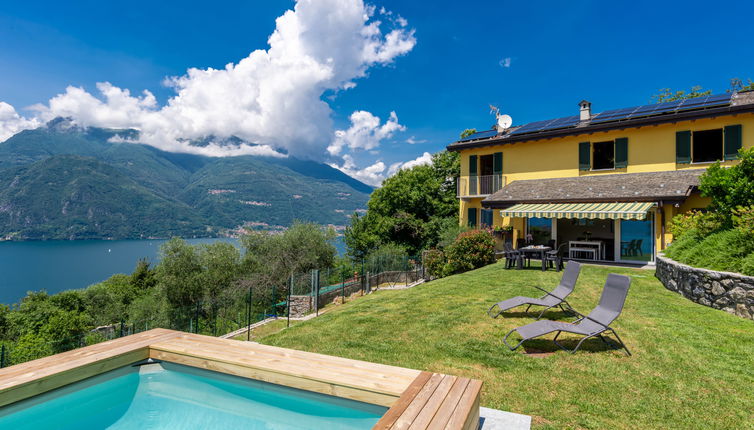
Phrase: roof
x=637 y=116
x=618 y=187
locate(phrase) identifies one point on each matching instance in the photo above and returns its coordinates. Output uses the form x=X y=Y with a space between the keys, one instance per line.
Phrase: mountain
x=66 y=182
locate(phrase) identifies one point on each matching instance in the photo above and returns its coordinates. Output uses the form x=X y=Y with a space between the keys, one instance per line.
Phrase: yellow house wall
x=650 y=149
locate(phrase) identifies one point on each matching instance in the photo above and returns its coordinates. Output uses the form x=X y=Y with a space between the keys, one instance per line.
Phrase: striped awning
x=626 y=210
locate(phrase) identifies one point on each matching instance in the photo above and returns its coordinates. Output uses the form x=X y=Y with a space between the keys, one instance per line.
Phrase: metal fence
x=304 y=293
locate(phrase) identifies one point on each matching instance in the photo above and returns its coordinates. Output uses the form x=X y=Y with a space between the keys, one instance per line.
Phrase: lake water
x=63 y=265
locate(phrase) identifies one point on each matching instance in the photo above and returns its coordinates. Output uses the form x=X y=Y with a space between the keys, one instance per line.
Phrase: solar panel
x=615 y=115
x=480 y=135
x=565 y=122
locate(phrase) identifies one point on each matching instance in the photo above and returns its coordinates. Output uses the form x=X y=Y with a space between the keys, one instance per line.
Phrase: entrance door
x=636 y=241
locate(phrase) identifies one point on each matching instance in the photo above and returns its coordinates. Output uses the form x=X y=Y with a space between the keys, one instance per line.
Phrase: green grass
x=693 y=366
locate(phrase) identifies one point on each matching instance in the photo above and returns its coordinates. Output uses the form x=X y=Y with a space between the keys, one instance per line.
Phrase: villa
x=605 y=184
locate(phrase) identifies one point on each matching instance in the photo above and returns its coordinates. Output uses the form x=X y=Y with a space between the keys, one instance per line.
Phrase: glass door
x=637 y=240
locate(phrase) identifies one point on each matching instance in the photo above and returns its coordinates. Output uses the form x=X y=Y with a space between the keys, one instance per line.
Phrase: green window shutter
x=497 y=164
x=683 y=147
x=621 y=152
x=732 y=141
x=472 y=217
x=472 y=165
x=585 y=156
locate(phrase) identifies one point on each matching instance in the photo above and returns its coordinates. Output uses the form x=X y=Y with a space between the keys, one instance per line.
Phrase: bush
x=728 y=250
x=743 y=220
x=434 y=262
x=471 y=249
x=703 y=223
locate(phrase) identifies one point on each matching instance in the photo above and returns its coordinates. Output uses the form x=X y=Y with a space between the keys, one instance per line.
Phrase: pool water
x=170 y=396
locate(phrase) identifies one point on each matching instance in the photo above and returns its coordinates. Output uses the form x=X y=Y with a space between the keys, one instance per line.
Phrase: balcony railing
x=479 y=186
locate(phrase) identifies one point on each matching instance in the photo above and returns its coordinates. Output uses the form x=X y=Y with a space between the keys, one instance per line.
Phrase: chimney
x=585 y=111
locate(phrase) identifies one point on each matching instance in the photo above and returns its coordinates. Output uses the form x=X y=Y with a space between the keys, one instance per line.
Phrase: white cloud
x=272 y=97
x=413 y=140
x=372 y=175
x=11 y=122
x=365 y=132
x=505 y=63
x=425 y=158
x=378 y=172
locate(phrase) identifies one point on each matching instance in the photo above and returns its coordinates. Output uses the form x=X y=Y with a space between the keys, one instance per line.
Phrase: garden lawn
x=692 y=368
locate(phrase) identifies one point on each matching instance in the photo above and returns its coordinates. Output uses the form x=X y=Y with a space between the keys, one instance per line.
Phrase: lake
x=56 y=266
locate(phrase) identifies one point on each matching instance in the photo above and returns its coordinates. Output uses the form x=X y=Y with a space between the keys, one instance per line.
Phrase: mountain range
x=62 y=181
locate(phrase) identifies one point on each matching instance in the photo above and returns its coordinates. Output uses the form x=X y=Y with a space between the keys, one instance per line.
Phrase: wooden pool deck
x=417 y=400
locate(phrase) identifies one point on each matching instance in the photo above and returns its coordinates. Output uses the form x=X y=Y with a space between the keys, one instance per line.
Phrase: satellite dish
x=504 y=122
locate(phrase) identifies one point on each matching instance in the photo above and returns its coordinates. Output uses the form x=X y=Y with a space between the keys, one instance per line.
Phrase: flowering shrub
x=702 y=223
x=434 y=263
x=471 y=249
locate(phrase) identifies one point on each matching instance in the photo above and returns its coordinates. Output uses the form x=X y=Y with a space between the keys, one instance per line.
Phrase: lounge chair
x=589 y=326
x=556 y=297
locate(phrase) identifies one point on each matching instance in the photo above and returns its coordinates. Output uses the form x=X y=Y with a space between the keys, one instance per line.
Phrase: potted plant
x=501 y=232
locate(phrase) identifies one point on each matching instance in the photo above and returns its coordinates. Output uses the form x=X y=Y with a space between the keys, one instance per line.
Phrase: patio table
x=534 y=249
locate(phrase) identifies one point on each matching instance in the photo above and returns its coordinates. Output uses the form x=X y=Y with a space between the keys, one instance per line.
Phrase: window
x=486 y=216
x=603 y=155
x=611 y=154
x=707 y=145
x=540 y=230
x=472 y=217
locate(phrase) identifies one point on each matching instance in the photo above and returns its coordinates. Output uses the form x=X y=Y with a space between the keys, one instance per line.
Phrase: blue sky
x=534 y=60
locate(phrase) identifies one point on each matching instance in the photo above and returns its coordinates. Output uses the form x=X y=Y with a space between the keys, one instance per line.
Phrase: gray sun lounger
x=556 y=297
x=589 y=326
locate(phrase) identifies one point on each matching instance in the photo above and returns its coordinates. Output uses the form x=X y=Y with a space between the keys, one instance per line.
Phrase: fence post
x=315 y=290
x=2 y=357
x=288 y=303
x=196 y=316
x=368 y=287
x=121 y=327
x=342 y=288
x=274 y=307
x=248 y=318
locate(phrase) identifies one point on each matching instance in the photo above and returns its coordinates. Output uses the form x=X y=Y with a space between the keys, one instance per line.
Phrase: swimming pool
x=172 y=396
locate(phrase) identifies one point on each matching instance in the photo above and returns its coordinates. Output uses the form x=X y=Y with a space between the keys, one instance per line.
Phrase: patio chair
x=511 y=256
x=555 y=257
x=556 y=297
x=593 y=325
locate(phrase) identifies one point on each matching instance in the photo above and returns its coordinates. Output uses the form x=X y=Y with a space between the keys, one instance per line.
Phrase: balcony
x=478 y=186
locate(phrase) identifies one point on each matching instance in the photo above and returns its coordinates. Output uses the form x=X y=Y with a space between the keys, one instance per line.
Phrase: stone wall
x=731 y=292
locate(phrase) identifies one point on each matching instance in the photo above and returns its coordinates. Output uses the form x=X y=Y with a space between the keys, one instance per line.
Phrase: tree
x=409 y=209
x=731 y=187
x=666 y=95
x=179 y=275
x=468 y=132
x=737 y=84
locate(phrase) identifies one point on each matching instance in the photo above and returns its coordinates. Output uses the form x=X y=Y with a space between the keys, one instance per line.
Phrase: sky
x=368 y=88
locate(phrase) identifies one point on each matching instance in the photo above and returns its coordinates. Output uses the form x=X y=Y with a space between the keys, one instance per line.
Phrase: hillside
x=66 y=182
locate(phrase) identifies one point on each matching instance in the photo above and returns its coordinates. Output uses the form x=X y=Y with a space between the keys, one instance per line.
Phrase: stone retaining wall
x=731 y=292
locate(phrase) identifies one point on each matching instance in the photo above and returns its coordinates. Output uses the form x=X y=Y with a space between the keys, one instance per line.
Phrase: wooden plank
x=383 y=379
x=44 y=367
x=466 y=414
x=392 y=415
x=295 y=356
x=419 y=401
x=280 y=378
x=41 y=385
x=433 y=404
x=448 y=406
